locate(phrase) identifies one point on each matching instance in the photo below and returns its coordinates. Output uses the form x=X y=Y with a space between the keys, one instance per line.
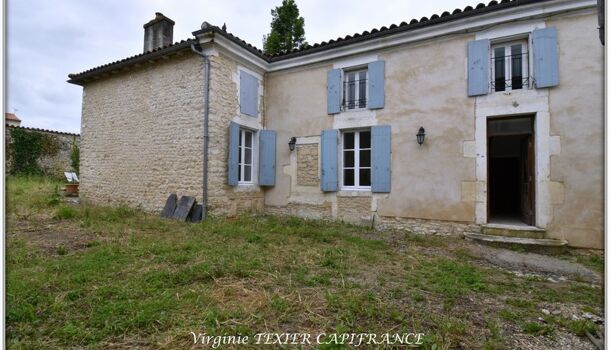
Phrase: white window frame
x=525 y=48
x=356 y=166
x=241 y=148
x=357 y=71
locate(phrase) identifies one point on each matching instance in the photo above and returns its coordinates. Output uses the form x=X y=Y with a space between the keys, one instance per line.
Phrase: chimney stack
x=158 y=33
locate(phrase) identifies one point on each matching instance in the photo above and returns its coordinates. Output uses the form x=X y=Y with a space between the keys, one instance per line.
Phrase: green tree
x=287 y=29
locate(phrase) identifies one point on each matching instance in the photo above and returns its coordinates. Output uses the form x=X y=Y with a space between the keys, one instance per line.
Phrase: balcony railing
x=354 y=94
x=510 y=72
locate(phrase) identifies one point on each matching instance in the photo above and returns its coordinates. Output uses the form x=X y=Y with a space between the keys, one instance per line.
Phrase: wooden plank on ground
x=185 y=205
x=197 y=213
x=170 y=206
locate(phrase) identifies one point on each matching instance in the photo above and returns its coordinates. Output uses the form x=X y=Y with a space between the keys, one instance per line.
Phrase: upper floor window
x=356 y=160
x=355 y=89
x=509 y=65
x=245 y=156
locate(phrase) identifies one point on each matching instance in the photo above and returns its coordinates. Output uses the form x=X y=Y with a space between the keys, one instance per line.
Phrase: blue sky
x=47 y=40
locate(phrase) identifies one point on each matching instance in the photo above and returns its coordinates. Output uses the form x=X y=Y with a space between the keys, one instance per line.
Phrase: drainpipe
x=206 y=118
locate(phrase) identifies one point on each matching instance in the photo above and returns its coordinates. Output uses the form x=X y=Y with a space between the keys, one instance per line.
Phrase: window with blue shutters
x=356 y=88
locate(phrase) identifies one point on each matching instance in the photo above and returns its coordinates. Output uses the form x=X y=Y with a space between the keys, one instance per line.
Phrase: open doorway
x=510 y=170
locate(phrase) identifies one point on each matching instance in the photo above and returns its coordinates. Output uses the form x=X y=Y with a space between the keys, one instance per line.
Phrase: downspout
x=206 y=118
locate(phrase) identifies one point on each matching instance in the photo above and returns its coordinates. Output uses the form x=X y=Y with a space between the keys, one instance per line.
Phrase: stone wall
x=225 y=200
x=307 y=165
x=142 y=134
x=54 y=164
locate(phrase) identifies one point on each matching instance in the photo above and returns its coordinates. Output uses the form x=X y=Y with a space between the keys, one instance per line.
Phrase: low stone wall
x=426 y=227
x=53 y=163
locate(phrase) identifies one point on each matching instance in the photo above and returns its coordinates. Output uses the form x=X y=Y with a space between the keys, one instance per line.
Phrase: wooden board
x=197 y=213
x=170 y=206
x=184 y=207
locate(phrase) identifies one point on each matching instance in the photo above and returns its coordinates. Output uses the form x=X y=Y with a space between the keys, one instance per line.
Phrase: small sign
x=71 y=177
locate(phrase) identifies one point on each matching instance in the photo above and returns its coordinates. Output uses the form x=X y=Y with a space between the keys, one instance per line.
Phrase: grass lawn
x=80 y=276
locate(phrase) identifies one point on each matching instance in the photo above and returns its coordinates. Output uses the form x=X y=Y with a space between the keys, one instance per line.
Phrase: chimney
x=158 y=33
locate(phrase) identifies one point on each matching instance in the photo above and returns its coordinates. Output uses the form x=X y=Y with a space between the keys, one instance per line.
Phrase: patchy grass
x=82 y=276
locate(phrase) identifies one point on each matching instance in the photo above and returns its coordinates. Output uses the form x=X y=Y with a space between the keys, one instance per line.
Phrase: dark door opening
x=510 y=171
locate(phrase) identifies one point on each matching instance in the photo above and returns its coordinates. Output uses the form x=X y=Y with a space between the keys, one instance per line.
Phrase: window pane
x=499 y=67
x=365 y=177
x=365 y=139
x=510 y=126
x=247 y=173
x=239 y=174
x=248 y=139
x=241 y=140
x=248 y=157
x=348 y=177
x=362 y=90
x=351 y=90
x=348 y=159
x=348 y=140
x=239 y=160
x=517 y=66
x=365 y=158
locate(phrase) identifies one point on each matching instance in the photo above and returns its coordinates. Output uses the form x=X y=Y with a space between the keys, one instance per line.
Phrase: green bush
x=27 y=147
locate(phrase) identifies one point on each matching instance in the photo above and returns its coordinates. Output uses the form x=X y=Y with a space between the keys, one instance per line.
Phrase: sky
x=47 y=40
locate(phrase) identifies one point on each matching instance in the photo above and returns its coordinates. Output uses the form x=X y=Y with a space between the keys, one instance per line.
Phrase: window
x=355 y=90
x=356 y=159
x=244 y=160
x=509 y=65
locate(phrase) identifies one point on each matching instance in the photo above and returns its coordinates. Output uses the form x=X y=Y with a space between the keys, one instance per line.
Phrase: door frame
x=532 y=135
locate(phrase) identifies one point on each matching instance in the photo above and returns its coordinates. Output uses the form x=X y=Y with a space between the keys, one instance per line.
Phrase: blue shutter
x=546 y=65
x=330 y=138
x=478 y=67
x=381 y=159
x=376 y=84
x=233 y=167
x=333 y=86
x=266 y=164
x=248 y=94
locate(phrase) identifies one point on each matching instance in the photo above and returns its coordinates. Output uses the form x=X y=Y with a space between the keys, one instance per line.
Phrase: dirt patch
x=49 y=236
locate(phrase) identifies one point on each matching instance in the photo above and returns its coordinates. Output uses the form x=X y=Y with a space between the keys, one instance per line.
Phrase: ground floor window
x=356 y=159
x=245 y=156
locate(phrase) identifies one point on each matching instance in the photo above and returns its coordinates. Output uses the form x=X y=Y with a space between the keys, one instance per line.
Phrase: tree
x=287 y=29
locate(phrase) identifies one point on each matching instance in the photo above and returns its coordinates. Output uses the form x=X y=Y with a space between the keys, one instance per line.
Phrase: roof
x=413 y=24
x=11 y=116
x=42 y=130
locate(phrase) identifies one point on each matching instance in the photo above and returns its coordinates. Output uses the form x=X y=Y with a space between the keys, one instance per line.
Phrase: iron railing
x=519 y=71
x=349 y=90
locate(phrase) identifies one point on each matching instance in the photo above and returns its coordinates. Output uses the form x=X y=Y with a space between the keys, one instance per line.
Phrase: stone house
x=11 y=119
x=506 y=100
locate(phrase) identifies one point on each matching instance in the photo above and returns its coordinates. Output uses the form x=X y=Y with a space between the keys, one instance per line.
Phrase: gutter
x=206 y=119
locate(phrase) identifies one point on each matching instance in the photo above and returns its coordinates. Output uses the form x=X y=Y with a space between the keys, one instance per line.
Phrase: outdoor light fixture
x=292 y=143
x=421 y=134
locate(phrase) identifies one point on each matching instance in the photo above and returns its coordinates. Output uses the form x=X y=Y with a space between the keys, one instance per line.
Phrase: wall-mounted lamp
x=292 y=143
x=421 y=135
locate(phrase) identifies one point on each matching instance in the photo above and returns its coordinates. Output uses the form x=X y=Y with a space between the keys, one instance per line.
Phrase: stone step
x=513 y=231
x=540 y=242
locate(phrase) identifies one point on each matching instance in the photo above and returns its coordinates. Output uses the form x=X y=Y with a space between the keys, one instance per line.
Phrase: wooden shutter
x=266 y=164
x=248 y=94
x=376 y=71
x=381 y=158
x=546 y=63
x=333 y=86
x=478 y=67
x=329 y=143
x=232 y=166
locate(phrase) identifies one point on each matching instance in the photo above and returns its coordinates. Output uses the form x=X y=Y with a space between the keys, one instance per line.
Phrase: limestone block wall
x=225 y=200
x=142 y=134
x=307 y=165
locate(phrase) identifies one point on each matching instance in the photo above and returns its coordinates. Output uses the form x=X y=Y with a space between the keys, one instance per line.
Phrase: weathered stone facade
x=54 y=164
x=225 y=200
x=307 y=165
x=142 y=135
